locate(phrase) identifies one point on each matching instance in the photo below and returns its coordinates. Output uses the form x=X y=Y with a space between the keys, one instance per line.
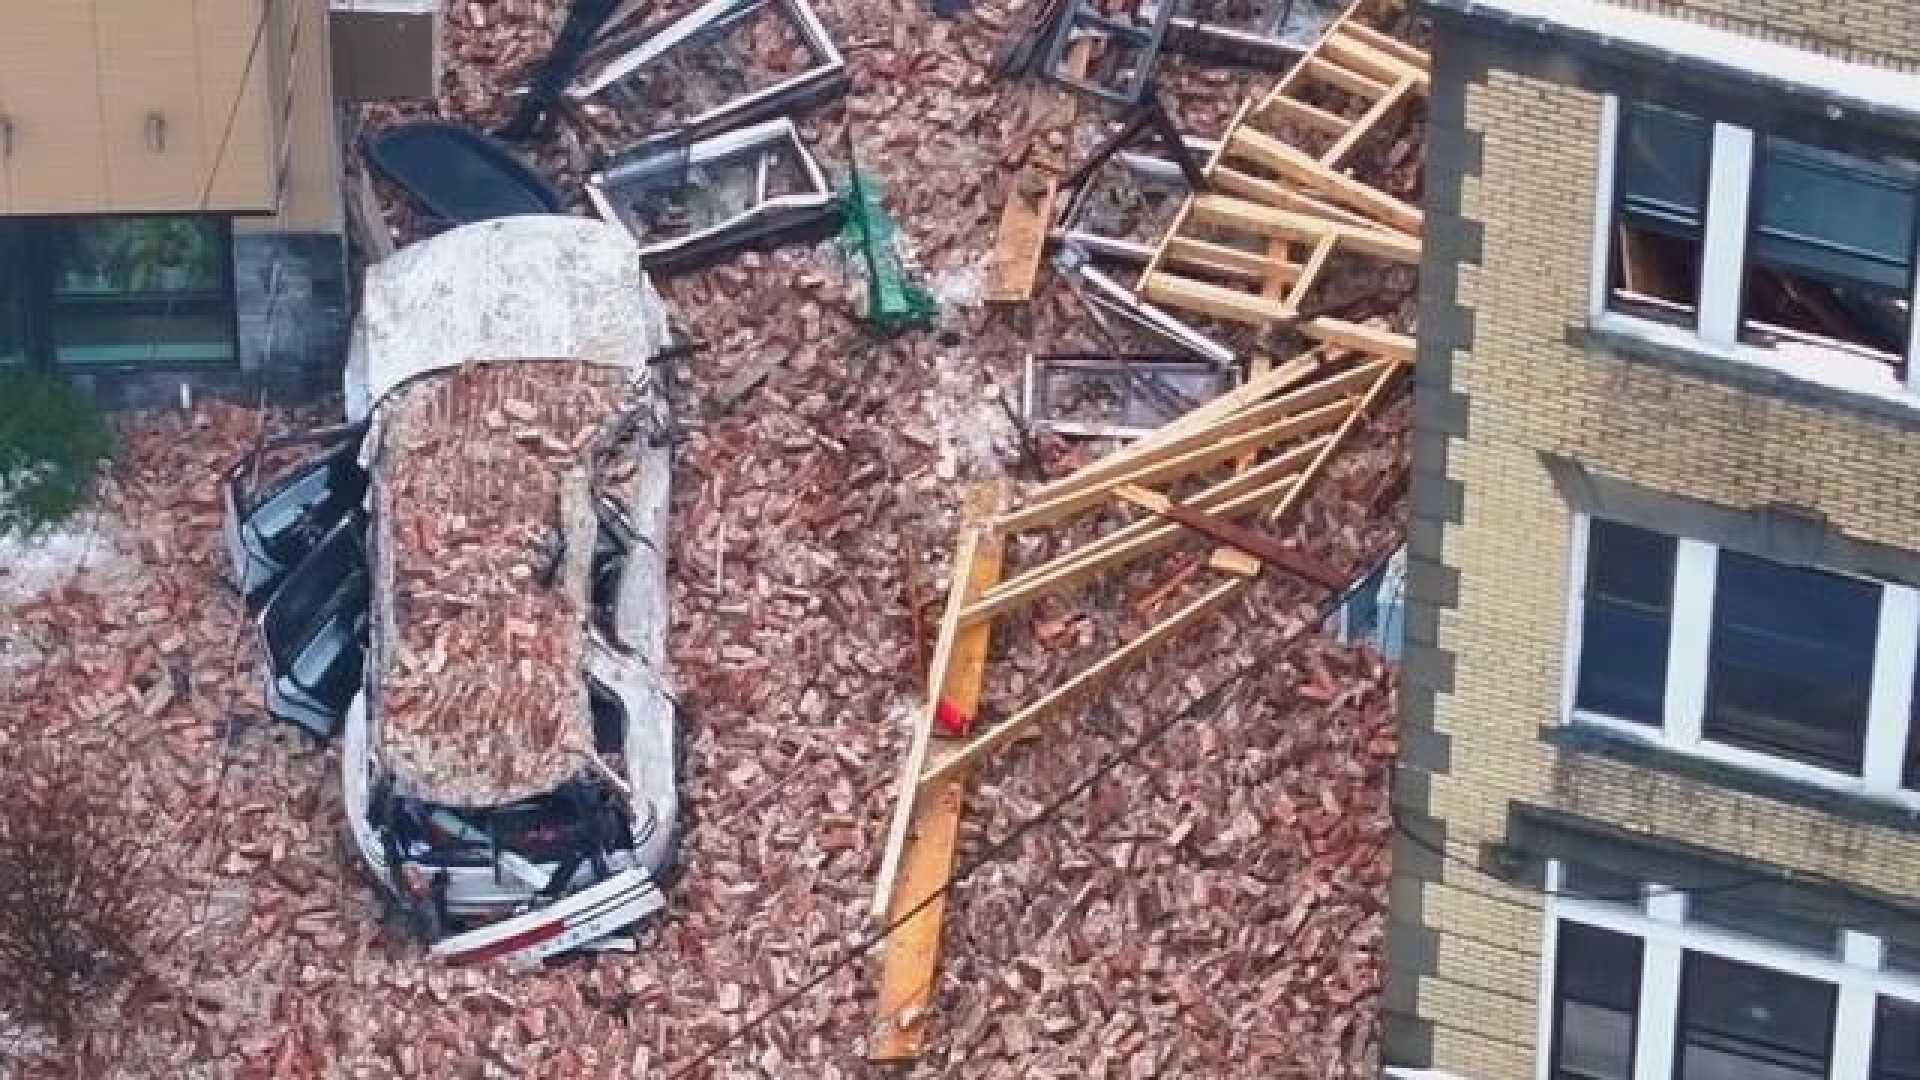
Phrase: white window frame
x=1660 y=922
x=1897 y=637
x=1716 y=329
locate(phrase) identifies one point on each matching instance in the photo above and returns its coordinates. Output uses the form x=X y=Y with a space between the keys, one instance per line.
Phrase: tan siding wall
x=1532 y=391
x=79 y=80
x=311 y=199
x=1885 y=33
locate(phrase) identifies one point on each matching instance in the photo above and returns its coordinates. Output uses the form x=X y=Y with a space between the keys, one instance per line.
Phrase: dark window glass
x=13 y=294
x=1596 y=995
x=1792 y=661
x=1660 y=221
x=1896 y=1040
x=140 y=290
x=1595 y=883
x=1830 y=256
x=1740 y=1022
x=1626 y=622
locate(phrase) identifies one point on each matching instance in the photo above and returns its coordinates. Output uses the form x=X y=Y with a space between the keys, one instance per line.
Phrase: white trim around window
x=1684 y=705
x=1716 y=330
x=1661 y=923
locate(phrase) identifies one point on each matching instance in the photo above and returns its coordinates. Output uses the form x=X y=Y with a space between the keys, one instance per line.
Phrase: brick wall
x=1505 y=376
x=1884 y=33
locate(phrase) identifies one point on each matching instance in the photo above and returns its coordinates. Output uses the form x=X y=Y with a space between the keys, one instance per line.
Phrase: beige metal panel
x=244 y=178
x=58 y=163
x=152 y=134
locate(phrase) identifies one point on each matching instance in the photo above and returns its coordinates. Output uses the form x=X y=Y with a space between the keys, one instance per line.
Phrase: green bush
x=52 y=441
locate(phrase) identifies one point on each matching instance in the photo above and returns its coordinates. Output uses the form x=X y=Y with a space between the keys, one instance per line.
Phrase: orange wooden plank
x=912 y=958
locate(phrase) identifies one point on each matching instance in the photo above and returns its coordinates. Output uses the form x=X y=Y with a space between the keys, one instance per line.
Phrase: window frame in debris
x=1675 y=943
x=1888 y=740
x=826 y=78
x=1719 y=325
x=1135 y=376
x=770 y=218
x=1103 y=28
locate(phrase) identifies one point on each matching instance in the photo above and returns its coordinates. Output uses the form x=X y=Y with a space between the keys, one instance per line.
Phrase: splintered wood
x=486 y=537
x=1252 y=247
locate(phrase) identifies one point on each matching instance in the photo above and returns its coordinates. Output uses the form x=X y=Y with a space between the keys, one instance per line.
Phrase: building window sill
x=1832 y=793
x=1826 y=380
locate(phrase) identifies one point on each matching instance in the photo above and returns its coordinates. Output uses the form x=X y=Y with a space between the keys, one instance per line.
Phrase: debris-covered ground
x=1217 y=910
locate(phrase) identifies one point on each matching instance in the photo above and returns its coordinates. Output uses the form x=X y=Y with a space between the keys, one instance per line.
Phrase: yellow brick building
x=1659 y=806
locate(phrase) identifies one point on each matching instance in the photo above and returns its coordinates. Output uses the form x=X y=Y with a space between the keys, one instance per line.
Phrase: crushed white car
x=467 y=583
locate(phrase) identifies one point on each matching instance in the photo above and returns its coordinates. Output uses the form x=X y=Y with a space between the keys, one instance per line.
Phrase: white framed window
x=1759 y=248
x=1663 y=987
x=1802 y=673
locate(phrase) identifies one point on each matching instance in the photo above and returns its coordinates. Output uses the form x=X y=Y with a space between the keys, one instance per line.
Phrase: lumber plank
x=1236 y=495
x=1027 y=217
x=1344 y=47
x=1322 y=67
x=1266 y=548
x=1366 y=339
x=1411 y=55
x=1302 y=69
x=917 y=747
x=1337 y=154
x=1310 y=116
x=1254 y=217
x=1310 y=275
x=1022 y=238
x=1105 y=472
x=1302 y=168
x=1221 y=259
x=1121 y=659
x=1211 y=452
x=1332 y=445
x=1248 y=186
x=911 y=960
x=1215 y=300
x=1186 y=432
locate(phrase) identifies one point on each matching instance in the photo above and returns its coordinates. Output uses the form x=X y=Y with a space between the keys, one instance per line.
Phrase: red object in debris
x=951 y=718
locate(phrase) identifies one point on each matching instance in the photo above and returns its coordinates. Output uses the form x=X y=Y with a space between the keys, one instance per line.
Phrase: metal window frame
x=828 y=78
x=1085 y=16
x=770 y=220
x=1138 y=377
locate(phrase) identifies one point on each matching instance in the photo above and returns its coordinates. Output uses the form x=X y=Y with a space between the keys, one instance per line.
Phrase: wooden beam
x=1309 y=116
x=911 y=962
x=1302 y=168
x=1270 y=221
x=917 y=746
x=1259 y=189
x=1310 y=276
x=1336 y=155
x=1022 y=239
x=1332 y=445
x=1133 y=652
x=1411 y=55
x=1184 y=433
x=1247 y=412
x=1367 y=339
x=1216 y=300
x=1319 y=66
x=1236 y=495
x=1267 y=549
x=1345 y=48
x=1211 y=452
x=1221 y=259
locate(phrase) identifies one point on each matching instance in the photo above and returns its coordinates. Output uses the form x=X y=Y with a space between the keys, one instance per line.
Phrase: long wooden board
x=912 y=958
